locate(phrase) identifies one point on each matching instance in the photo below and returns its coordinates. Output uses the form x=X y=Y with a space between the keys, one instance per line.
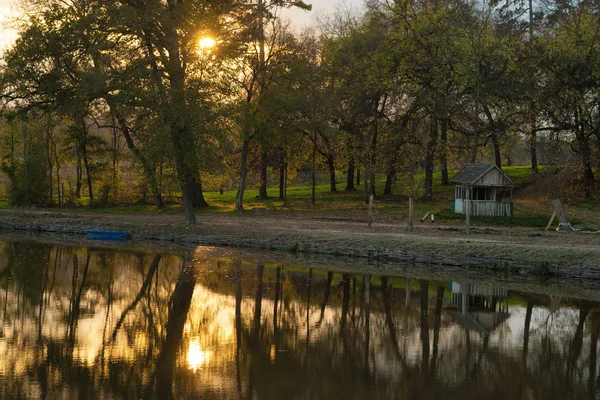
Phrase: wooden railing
x=482 y=208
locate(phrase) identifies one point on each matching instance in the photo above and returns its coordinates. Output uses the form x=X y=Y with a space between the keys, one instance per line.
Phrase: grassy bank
x=530 y=209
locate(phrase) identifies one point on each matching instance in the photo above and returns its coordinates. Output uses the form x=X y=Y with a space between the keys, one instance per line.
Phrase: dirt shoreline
x=516 y=250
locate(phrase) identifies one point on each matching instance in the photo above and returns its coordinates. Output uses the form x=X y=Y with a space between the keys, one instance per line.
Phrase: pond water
x=101 y=323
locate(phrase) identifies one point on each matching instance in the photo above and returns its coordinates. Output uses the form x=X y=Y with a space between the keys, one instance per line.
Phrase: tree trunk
x=78 y=171
x=86 y=163
x=196 y=185
x=444 y=152
x=411 y=214
x=26 y=153
x=372 y=167
x=58 y=185
x=154 y=188
x=49 y=157
x=186 y=184
x=262 y=190
x=374 y=138
x=282 y=169
x=588 y=174
x=533 y=149
x=239 y=197
x=358 y=177
x=331 y=165
x=181 y=140
x=586 y=159
x=430 y=156
x=474 y=147
x=285 y=184
x=389 y=181
x=147 y=168
x=175 y=113
x=314 y=181
x=496 y=145
x=350 y=175
x=366 y=185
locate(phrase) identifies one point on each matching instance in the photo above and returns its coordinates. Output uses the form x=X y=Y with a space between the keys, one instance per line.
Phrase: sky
x=7 y=35
x=299 y=17
x=304 y=18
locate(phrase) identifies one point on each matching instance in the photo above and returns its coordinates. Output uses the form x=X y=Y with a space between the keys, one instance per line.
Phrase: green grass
x=519 y=175
x=4 y=203
x=135 y=209
x=520 y=218
x=342 y=202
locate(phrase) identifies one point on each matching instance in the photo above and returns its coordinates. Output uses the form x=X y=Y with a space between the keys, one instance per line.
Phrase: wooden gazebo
x=483 y=190
x=481 y=308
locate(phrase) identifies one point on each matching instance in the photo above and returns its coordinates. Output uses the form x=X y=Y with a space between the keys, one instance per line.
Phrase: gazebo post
x=468 y=209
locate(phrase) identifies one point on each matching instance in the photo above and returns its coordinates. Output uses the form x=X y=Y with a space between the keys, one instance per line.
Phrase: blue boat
x=107 y=236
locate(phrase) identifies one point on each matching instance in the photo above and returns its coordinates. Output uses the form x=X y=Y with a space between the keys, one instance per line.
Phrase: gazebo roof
x=482 y=325
x=472 y=173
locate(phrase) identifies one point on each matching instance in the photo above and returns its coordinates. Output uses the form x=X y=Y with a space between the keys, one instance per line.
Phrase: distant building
x=486 y=188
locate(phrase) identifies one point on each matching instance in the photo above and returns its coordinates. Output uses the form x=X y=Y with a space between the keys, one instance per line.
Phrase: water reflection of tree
x=309 y=334
x=55 y=293
x=178 y=314
x=145 y=290
x=354 y=335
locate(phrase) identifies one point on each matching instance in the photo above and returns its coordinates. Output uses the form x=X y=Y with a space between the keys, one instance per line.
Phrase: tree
x=572 y=82
x=255 y=71
x=357 y=57
x=23 y=158
x=114 y=45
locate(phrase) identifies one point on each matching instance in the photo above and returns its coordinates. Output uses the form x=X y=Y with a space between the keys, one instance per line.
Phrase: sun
x=207 y=43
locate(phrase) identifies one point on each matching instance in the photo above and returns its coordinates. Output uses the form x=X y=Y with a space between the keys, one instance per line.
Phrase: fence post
x=468 y=205
x=371 y=217
x=411 y=214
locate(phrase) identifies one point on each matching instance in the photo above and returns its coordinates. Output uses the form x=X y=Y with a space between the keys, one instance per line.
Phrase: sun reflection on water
x=196 y=357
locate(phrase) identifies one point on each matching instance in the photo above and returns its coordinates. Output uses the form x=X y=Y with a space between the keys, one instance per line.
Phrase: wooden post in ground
x=468 y=210
x=551 y=220
x=411 y=214
x=562 y=218
x=371 y=217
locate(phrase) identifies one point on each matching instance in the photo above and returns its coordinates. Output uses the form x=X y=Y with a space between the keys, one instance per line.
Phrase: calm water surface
x=93 y=323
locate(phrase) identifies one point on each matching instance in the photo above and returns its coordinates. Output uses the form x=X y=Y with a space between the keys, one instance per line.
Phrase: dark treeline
x=123 y=101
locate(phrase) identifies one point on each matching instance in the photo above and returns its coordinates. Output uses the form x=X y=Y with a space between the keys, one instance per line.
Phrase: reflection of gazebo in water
x=482 y=308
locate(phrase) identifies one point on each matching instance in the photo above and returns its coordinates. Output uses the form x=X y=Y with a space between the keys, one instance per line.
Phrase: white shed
x=484 y=189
